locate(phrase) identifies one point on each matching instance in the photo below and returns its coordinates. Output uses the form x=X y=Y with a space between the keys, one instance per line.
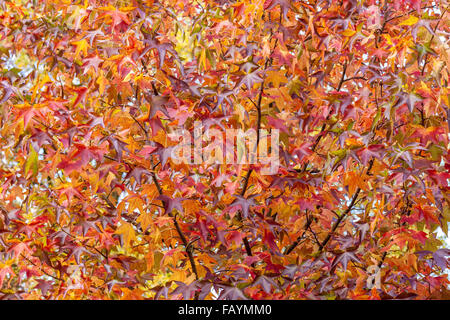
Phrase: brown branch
x=140 y=125
x=83 y=244
x=300 y=238
x=187 y=247
x=339 y=220
x=177 y=226
x=341 y=82
x=247 y=246
x=247 y=177
x=406 y=14
x=133 y=117
x=155 y=181
x=349 y=208
x=46 y=273
x=321 y=133
x=382 y=259
x=355 y=78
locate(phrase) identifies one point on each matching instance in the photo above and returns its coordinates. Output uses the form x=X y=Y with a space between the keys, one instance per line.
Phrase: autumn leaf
x=32 y=162
x=410 y=21
x=81 y=46
x=347 y=102
x=127 y=233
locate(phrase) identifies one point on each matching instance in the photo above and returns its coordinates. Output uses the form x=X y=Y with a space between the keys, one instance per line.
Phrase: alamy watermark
x=374 y=279
x=230 y=146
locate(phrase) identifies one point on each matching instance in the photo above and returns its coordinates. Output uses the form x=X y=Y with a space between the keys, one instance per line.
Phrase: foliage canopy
x=93 y=207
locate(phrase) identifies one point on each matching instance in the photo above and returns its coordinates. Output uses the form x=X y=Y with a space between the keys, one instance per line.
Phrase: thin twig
x=349 y=208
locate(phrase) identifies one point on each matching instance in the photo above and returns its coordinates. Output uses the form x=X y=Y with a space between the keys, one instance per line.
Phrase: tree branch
x=321 y=133
x=300 y=238
x=188 y=249
x=349 y=208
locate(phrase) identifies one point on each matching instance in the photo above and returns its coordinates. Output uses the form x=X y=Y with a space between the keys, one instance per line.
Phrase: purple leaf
x=243 y=203
x=266 y=283
x=170 y=204
x=250 y=79
x=232 y=293
x=344 y=258
x=186 y=290
x=44 y=286
x=440 y=258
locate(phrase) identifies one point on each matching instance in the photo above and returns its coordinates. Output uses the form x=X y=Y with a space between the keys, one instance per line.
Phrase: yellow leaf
x=202 y=60
x=101 y=81
x=40 y=83
x=127 y=9
x=276 y=77
x=127 y=232
x=97 y=281
x=145 y=219
x=446 y=212
x=352 y=142
x=412 y=261
x=82 y=45
x=128 y=76
x=388 y=39
x=134 y=294
x=22 y=60
x=409 y=22
x=348 y=32
x=281 y=97
x=135 y=203
x=150 y=191
x=94 y=182
x=120 y=207
x=178 y=275
x=150 y=259
x=32 y=162
x=161 y=77
x=266 y=48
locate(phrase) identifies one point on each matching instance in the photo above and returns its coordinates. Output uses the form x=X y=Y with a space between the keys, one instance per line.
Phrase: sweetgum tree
x=93 y=205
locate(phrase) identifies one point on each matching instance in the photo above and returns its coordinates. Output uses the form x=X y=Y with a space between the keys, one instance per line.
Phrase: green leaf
x=32 y=162
x=436 y=152
x=375 y=120
x=341 y=153
x=350 y=125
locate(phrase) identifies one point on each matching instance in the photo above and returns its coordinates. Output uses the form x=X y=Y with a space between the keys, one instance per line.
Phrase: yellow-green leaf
x=32 y=162
x=410 y=21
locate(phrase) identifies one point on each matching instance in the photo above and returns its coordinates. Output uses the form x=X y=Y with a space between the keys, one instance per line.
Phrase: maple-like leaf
x=162 y=48
x=76 y=252
x=8 y=91
x=249 y=80
x=344 y=258
x=440 y=258
x=243 y=203
x=171 y=203
x=92 y=62
x=186 y=290
x=285 y=6
x=232 y=293
x=373 y=150
x=127 y=234
x=94 y=203
x=44 y=286
x=266 y=283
